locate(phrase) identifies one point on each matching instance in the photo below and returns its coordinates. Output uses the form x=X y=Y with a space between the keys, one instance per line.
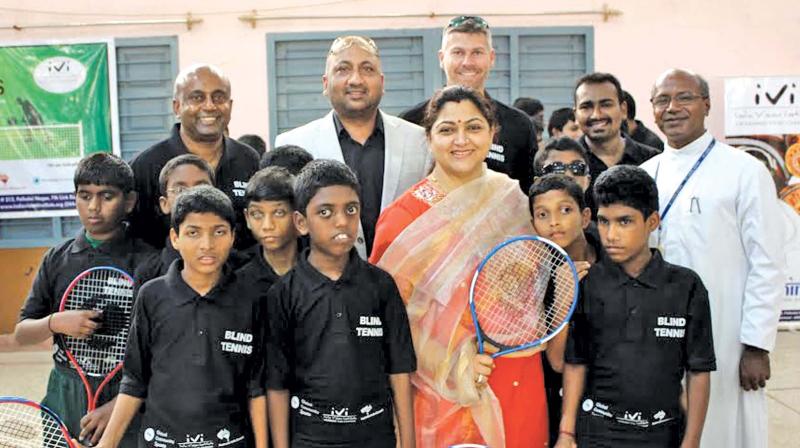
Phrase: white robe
x=726 y=225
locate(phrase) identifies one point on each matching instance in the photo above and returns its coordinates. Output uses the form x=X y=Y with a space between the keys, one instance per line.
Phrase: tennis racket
x=27 y=424
x=522 y=294
x=110 y=291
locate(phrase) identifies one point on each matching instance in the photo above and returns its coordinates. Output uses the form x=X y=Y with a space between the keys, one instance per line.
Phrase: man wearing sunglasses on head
x=600 y=109
x=467 y=58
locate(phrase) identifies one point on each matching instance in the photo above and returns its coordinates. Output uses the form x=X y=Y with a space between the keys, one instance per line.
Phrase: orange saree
x=431 y=244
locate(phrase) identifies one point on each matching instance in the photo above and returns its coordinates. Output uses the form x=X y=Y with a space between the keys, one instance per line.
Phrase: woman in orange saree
x=431 y=239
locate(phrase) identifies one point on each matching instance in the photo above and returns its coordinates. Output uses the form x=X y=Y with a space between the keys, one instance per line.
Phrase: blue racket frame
x=536 y=343
x=45 y=409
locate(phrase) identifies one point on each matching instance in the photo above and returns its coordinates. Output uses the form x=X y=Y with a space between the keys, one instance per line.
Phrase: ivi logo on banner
x=59 y=74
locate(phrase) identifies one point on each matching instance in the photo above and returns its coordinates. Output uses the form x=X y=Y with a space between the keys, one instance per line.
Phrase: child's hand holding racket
x=78 y=324
x=94 y=423
x=583 y=268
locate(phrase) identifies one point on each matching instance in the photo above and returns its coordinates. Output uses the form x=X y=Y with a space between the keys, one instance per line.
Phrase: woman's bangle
x=571 y=434
x=50 y=318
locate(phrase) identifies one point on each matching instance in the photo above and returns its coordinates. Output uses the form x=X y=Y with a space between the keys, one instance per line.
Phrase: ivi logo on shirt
x=497 y=152
x=372 y=327
x=670 y=327
x=239 y=188
x=237 y=342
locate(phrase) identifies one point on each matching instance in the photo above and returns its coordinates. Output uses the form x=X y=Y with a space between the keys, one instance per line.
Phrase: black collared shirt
x=634 y=153
x=257 y=272
x=637 y=336
x=159 y=265
x=515 y=144
x=62 y=263
x=647 y=137
x=367 y=161
x=333 y=345
x=237 y=164
x=196 y=360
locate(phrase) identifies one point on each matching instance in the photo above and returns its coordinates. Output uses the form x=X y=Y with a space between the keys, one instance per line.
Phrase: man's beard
x=344 y=110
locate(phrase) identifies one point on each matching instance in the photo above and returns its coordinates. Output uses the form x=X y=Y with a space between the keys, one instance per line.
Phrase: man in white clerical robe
x=725 y=223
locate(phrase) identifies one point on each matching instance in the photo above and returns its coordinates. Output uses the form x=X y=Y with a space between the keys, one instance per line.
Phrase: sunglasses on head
x=479 y=22
x=577 y=168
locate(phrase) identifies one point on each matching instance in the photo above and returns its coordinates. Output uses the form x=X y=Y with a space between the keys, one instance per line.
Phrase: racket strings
x=523 y=293
x=112 y=293
x=24 y=426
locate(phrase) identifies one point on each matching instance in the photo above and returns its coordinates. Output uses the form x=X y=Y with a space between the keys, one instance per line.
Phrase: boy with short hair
x=562 y=124
x=560 y=214
x=195 y=355
x=291 y=157
x=178 y=175
x=103 y=197
x=269 y=206
x=640 y=325
x=563 y=156
x=339 y=339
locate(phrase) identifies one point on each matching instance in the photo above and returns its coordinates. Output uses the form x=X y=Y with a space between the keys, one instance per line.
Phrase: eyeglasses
x=683 y=99
x=577 y=168
x=477 y=21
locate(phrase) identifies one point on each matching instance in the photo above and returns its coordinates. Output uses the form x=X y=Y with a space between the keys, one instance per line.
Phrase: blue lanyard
x=685 y=179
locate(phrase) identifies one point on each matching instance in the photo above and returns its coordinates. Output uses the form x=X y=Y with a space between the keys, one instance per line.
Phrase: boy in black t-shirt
x=269 y=206
x=641 y=324
x=195 y=353
x=339 y=346
x=178 y=175
x=103 y=197
x=560 y=214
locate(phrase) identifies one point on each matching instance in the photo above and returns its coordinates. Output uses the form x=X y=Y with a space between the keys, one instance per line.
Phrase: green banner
x=55 y=103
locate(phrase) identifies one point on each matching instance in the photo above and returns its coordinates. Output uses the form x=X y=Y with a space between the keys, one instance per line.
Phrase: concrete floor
x=24 y=373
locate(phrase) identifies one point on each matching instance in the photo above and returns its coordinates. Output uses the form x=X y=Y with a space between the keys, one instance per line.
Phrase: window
x=538 y=62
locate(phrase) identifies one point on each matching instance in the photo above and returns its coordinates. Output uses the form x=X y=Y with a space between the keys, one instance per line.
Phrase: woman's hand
x=482 y=365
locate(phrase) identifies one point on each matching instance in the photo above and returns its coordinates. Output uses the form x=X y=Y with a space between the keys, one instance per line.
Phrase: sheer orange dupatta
x=432 y=262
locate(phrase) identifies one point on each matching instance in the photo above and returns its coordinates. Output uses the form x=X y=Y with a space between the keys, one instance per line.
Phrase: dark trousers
x=66 y=396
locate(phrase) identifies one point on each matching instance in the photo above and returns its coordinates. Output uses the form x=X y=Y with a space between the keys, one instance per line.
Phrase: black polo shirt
x=158 y=265
x=258 y=273
x=515 y=144
x=367 y=161
x=62 y=263
x=196 y=360
x=333 y=345
x=634 y=153
x=237 y=164
x=637 y=337
x=647 y=137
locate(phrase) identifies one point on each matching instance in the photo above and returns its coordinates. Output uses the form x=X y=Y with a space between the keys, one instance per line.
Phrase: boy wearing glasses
x=202 y=103
x=563 y=156
x=178 y=175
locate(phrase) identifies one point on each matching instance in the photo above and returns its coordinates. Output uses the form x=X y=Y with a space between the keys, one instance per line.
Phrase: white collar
x=692 y=149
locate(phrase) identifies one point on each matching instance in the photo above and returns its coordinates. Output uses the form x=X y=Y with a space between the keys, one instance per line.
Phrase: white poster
x=762 y=105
